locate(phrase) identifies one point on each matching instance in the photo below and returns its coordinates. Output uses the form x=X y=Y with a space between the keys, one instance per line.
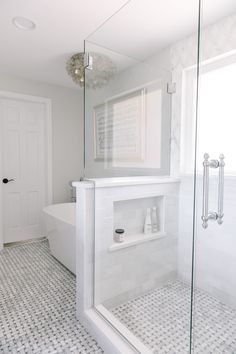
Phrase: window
x=216 y=115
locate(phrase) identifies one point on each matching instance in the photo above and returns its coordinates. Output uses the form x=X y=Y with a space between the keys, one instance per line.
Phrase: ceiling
x=61 y=27
x=139 y=29
x=143 y=27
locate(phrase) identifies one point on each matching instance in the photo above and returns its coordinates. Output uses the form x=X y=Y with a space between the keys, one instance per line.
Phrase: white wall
x=67 y=129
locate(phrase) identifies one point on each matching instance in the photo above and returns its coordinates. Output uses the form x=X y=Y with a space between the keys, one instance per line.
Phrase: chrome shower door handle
x=221 y=190
x=206 y=214
x=205 y=196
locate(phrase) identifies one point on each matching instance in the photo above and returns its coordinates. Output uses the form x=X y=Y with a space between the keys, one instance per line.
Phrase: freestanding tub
x=60 y=231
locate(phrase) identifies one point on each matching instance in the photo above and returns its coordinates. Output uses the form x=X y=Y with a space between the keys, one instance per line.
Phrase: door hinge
x=88 y=61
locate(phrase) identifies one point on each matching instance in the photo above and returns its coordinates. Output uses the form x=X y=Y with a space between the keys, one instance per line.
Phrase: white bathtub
x=60 y=231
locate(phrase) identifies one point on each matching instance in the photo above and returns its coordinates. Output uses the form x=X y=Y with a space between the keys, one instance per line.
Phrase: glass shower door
x=136 y=68
x=214 y=315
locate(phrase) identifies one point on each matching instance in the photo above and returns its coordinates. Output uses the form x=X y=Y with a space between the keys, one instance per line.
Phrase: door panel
x=12 y=146
x=24 y=161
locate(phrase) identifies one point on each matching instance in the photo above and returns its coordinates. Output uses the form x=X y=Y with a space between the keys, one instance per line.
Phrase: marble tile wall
x=215 y=247
x=122 y=274
x=130 y=214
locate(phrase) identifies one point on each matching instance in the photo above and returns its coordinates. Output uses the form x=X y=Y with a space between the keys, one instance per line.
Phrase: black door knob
x=6 y=180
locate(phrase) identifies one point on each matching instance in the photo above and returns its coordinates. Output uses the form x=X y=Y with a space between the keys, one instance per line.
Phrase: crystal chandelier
x=101 y=69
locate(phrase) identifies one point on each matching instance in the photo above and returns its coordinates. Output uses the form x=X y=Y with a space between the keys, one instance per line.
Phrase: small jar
x=119 y=235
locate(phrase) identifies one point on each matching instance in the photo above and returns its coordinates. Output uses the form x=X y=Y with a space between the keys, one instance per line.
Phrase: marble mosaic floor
x=161 y=320
x=37 y=311
x=37 y=304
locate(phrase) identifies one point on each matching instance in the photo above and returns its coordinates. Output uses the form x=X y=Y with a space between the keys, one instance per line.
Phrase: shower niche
x=129 y=214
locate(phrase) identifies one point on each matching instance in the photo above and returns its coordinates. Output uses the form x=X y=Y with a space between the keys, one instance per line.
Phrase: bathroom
x=117 y=205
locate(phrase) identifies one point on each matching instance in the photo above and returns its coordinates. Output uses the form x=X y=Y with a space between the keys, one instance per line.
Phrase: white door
x=23 y=168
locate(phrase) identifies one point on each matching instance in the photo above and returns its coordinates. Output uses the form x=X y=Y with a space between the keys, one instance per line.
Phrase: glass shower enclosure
x=156 y=186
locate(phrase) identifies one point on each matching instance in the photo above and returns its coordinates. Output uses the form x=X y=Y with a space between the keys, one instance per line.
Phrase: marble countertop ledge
x=124 y=181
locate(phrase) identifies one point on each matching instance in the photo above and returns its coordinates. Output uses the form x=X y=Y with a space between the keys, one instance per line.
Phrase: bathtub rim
x=47 y=210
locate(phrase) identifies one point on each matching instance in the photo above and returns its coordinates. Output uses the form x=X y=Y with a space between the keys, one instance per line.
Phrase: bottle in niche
x=148 y=222
x=154 y=219
x=119 y=235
